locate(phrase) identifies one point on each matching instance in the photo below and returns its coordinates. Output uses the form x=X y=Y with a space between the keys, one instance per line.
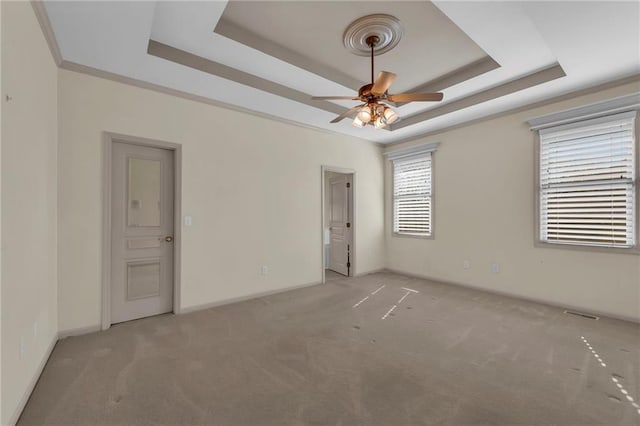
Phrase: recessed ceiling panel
x=309 y=34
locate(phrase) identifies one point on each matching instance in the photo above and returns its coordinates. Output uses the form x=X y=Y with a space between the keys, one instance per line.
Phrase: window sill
x=418 y=236
x=594 y=249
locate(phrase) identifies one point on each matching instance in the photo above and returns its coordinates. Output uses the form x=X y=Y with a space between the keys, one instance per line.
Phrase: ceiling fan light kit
x=390 y=116
x=365 y=114
x=377 y=114
x=374 y=35
x=358 y=123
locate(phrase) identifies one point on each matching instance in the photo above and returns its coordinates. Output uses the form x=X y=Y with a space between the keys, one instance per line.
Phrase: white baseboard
x=223 y=302
x=373 y=271
x=32 y=383
x=195 y=308
x=517 y=296
x=63 y=334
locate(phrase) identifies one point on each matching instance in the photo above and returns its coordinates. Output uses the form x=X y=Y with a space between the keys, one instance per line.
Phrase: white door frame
x=108 y=140
x=354 y=222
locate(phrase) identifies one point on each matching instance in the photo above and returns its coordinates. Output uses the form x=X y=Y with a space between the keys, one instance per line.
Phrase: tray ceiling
x=309 y=34
x=269 y=58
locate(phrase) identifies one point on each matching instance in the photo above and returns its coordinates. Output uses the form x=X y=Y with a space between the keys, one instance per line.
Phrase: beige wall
x=484 y=213
x=252 y=186
x=1 y=105
x=29 y=202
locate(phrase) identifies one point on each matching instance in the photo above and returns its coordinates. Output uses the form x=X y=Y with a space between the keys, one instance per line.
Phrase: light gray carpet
x=446 y=355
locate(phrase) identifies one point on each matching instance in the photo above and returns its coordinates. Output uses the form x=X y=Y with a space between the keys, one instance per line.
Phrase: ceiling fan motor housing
x=365 y=91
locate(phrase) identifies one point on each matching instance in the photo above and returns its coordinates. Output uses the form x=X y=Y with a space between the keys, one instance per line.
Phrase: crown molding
x=45 y=24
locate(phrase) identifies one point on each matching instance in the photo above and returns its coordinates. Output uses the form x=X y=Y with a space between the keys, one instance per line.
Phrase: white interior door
x=141 y=232
x=339 y=223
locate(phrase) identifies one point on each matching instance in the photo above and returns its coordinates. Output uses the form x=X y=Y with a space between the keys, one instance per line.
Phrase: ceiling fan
x=374 y=96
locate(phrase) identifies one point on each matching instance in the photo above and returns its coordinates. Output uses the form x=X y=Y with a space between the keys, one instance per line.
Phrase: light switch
x=187 y=221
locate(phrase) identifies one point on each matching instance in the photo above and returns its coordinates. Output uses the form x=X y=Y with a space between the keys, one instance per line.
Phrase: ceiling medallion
x=387 y=28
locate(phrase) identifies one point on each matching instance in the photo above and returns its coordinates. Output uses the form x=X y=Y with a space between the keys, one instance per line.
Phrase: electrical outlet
x=264 y=270
x=21 y=347
x=466 y=264
x=495 y=268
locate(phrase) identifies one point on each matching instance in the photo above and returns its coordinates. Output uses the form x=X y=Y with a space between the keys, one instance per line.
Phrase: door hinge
x=348 y=224
x=348 y=184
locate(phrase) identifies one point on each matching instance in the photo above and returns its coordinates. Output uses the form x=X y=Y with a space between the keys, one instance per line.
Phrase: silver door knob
x=168 y=238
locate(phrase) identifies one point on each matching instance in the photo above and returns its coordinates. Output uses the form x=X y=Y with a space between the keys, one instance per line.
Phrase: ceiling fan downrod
x=372 y=42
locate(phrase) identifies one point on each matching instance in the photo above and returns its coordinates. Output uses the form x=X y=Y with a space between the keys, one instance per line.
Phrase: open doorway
x=338 y=254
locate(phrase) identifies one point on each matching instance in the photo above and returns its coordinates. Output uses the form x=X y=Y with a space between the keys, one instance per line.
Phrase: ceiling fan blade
x=346 y=114
x=413 y=97
x=328 y=98
x=383 y=82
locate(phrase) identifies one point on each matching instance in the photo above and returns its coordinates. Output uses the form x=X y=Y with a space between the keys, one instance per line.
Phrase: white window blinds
x=412 y=195
x=587 y=182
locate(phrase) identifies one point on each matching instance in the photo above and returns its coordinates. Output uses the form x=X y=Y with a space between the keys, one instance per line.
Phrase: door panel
x=141 y=232
x=143 y=279
x=339 y=218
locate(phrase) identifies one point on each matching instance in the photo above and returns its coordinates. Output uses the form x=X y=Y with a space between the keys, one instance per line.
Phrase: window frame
x=430 y=150
x=539 y=243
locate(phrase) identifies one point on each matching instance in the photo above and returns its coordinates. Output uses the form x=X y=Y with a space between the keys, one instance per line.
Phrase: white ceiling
x=592 y=42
